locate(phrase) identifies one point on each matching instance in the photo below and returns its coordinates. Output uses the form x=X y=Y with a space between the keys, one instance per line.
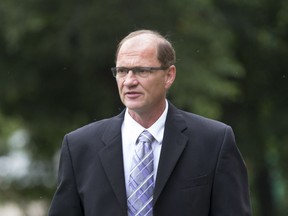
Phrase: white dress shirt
x=131 y=131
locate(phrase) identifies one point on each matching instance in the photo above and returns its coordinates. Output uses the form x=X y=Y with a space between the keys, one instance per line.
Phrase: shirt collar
x=157 y=129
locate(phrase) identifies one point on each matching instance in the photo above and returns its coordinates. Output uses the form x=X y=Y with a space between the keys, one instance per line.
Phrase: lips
x=132 y=94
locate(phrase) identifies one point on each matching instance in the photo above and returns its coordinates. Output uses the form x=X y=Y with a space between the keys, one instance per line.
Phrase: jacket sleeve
x=230 y=194
x=66 y=200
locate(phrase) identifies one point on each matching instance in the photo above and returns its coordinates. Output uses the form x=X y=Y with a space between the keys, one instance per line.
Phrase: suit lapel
x=174 y=142
x=112 y=159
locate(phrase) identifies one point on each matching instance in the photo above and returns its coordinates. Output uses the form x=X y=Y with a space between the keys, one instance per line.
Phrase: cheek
x=118 y=83
x=119 y=86
x=155 y=88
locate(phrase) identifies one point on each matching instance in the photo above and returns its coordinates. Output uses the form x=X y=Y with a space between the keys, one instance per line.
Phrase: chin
x=134 y=106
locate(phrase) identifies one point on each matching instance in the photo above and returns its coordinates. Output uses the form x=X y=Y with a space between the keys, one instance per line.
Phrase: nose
x=130 y=79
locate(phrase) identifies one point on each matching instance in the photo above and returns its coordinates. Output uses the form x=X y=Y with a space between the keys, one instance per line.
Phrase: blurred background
x=55 y=59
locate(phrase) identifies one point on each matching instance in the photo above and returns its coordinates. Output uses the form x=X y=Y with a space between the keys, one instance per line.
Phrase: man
x=152 y=159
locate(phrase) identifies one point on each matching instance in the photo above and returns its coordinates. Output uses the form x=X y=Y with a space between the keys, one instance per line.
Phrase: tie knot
x=145 y=136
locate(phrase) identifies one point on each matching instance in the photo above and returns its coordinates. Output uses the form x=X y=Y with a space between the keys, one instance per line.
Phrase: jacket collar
x=174 y=142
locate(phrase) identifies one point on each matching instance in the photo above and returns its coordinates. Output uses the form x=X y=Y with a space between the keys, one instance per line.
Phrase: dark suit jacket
x=201 y=171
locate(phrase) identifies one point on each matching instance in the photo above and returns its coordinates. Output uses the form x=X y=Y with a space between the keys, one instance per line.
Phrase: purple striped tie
x=141 y=182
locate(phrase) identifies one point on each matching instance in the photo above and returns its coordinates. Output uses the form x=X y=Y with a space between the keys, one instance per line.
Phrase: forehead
x=141 y=45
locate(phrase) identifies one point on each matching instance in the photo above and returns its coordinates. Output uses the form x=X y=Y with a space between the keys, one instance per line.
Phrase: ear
x=170 y=76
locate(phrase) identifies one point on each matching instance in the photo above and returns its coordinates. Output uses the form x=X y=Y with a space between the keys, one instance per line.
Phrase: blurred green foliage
x=55 y=59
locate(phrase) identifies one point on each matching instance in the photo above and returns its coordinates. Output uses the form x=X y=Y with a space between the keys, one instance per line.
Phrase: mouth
x=132 y=94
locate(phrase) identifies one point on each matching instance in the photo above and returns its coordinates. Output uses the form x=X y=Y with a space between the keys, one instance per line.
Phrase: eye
x=139 y=70
x=122 y=70
x=142 y=71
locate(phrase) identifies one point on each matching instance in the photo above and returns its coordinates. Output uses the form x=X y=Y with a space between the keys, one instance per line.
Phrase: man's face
x=143 y=95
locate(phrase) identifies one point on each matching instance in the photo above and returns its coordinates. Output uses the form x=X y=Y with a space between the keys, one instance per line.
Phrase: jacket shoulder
x=194 y=121
x=98 y=127
x=198 y=120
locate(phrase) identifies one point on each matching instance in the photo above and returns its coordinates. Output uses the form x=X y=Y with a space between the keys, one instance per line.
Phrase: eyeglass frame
x=137 y=71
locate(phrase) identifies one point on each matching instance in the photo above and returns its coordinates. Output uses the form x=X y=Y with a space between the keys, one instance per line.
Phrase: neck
x=148 y=118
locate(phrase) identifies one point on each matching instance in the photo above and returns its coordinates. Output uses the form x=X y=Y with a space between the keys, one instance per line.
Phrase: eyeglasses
x=143 y=72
